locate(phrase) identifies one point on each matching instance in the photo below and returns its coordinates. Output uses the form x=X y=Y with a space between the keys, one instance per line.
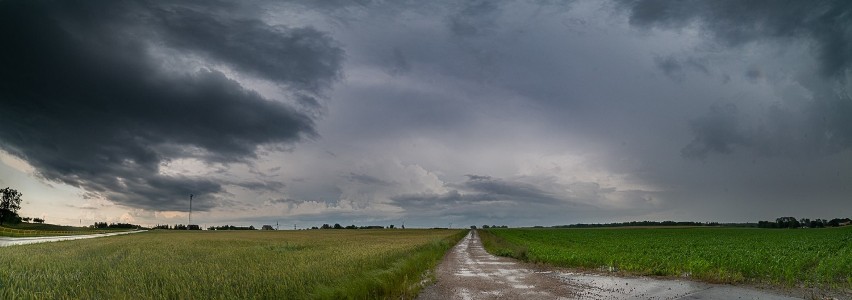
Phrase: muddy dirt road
x=468 y=272
x=11 y=241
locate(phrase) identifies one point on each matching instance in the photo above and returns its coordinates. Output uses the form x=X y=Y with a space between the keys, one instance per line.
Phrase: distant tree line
x=639 y=223
x=494 y=226
x=177 y=227
x=338 y=226
x=783 y=222
x=230 y=227
x=34 y=220
x=104 y=225
x=791 y=222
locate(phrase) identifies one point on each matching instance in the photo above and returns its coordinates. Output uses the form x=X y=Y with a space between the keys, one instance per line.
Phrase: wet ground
x=11 y=241
x=468 y=272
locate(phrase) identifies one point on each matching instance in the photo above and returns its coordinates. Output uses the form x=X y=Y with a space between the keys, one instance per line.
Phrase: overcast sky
x=426 y=112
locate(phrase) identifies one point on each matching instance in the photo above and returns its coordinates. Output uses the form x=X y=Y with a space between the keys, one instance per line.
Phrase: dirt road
x=10 y=241
x=468 y=272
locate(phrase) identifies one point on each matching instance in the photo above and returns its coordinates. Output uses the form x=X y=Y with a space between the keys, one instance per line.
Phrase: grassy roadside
x=398 y=278
x=807 y=258
x=500 y=247
x=316 y=264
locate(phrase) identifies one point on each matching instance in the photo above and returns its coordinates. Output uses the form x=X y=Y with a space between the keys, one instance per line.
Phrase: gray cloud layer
x=739 y=22
x=88 y=103
x=580 y=111
x=827 y=25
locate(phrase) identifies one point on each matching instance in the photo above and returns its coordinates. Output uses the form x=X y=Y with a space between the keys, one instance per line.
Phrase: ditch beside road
x=469 y=272
x=12 y=241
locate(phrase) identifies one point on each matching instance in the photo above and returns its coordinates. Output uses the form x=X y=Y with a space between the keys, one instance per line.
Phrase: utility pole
x=276 y=225
x=190 y=211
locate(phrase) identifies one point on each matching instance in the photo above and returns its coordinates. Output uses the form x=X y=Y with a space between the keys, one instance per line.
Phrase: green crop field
x=318 y=264
x=810 y=257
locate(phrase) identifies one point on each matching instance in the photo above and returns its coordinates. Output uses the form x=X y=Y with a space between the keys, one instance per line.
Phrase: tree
x=9 y=204
x=38 y=220
x=787 y=222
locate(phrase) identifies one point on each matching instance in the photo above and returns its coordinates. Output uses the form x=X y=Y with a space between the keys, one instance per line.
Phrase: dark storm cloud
x=87 y=103
x=285 y=201
x=817 y=127
x=289 y=202
x=798 y=131
x=366 y=179
x=399 y=64
x=443 y=201
x=477 y=177
x=489 y=199
x=717 y=131
x=827 y=23
x=754 y=73
x=479 y=190
x=264 y=186
x=670 y=66
x=474 y=18
x=675 y=68
x=303 y=57
x=512 y=190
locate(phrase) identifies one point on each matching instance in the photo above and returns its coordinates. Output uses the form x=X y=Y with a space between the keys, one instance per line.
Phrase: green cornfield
x=786 y=257
x=313 y=264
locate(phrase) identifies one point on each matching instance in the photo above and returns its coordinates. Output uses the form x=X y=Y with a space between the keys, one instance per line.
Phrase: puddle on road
x=608 y=287
x=599 y=287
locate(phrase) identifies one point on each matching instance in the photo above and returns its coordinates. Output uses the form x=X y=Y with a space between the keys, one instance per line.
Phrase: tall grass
x=811 y=257
x=318 y=264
